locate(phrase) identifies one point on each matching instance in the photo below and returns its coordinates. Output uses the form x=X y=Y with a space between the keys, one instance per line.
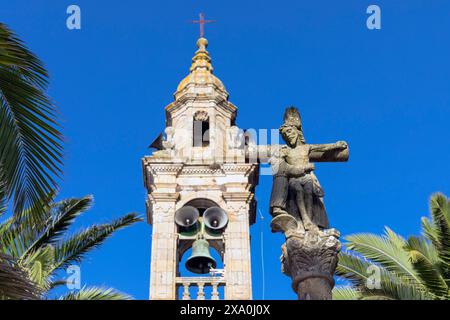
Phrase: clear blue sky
x=386 y=92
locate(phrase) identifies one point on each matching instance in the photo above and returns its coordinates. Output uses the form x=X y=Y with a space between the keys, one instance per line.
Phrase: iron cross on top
x=202 y=23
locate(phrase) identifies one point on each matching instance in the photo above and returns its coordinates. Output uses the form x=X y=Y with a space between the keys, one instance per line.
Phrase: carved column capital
x=310 y=259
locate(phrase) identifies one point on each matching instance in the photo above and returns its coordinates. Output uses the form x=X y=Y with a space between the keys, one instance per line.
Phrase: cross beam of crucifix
x=202 y=23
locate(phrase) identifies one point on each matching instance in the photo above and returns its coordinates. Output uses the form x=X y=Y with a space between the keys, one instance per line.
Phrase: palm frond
x=23 y=234
x=62 y=216
x=345 y=293
x=430 y=276
x=19 y=231
x=402 y=289
x=14 y=281
x=414 y=269
x=39 y=264
x=428 y=231
x=395 y=239
x=3 y=198
x=353 y=269
x=424 y=246
x=41 y=249
x=57 y=283
x=74 y=249
x=440 y=213
x=95 y=293
x=427 y=264
x=361 y=274
x=30 y=142
x=382 y=250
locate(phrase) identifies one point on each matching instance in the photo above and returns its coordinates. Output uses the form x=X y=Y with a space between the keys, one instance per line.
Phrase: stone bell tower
x=200 y=193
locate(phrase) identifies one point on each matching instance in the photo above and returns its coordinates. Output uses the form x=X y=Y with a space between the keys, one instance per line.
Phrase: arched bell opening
x=201 y=204
x=197 y=258
x=201 y=223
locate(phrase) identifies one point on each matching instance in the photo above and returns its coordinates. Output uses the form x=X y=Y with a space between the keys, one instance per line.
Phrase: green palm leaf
x=425 y=260
x=425 y=247
x=95 y=293
x=30 y=143
x=74 y=248
x=391 y=286
x=39 y=264
x=14 y=281
x=401 y=289
x=413 y=269
x=440 y=213
x=42 y=249
x=3 y=198
x=428 y=231
x=385 y=251
x=345 y=293
x=431 y=277
x=353 y=269
x=62 y=215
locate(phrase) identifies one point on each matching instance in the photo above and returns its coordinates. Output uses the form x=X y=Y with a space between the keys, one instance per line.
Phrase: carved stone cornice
x=247 y=168
x=163 y=168
x=189 y=99
x=310 y=259
x=177 y=169
x=164 y=196
x=200 y=170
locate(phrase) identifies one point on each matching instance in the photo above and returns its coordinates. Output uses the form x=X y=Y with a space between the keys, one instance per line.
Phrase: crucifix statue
x=298 y=210
x=297 y=196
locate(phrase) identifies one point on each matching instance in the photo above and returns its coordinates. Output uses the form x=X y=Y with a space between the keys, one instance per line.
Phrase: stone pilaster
x=237 y=259
x=310 y=259
x=164 y=247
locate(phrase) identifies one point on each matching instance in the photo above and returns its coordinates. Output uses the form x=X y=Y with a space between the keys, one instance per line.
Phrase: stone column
x=164 y=247
x=310 y=259
x=237 y=252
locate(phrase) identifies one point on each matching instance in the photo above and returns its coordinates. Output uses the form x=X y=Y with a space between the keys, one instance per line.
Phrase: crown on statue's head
x=292 y=118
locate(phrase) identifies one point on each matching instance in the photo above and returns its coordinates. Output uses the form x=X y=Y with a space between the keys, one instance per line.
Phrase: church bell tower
x=200 y=199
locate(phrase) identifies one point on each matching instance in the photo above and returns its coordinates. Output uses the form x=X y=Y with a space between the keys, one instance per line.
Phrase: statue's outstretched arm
x=334 y=152
x=340 y=145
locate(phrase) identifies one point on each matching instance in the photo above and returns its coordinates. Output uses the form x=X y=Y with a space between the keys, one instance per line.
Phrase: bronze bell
x=215 y=219
x=201 y=260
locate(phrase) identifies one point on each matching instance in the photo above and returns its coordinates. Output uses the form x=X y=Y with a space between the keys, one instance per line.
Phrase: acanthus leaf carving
x=310 y=255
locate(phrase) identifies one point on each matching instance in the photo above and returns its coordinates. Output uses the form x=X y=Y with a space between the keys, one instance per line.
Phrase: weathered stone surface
x=183 y=171
x=296 y=190
x=298 y=210
x=310 y=259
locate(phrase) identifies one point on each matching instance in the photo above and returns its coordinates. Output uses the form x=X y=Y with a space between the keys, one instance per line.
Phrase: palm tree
x=32 y=247
x=391 y=267
x=39 y=252
x=30 y=142
x=30 y=147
